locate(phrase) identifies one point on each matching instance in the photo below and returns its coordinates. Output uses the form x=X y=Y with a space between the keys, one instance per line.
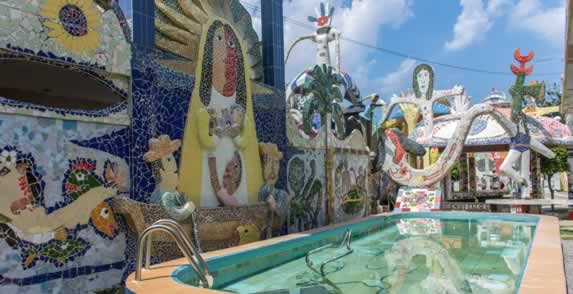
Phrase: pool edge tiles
x=545 y=271
x=161 y=280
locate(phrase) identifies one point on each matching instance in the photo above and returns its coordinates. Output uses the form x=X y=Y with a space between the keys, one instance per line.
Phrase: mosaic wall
x=56 y=161
x=306 y=181
x=71 y=32
x=59 y=168
x=58 y=230
x=350 y=176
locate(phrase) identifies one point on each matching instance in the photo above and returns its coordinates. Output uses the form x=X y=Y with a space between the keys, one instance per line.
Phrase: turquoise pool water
x=404 y=253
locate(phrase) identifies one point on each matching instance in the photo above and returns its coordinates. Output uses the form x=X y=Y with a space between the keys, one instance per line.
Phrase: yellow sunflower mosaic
x=73 y=23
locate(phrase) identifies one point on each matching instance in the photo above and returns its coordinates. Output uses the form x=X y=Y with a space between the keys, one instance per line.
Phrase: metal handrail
x=205 y=281
x=186 y=239
x=344 y=242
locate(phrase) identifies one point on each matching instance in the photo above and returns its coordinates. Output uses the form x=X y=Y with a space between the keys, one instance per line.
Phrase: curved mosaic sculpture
x=393 y=145
x=398 y=167
x=425 y=96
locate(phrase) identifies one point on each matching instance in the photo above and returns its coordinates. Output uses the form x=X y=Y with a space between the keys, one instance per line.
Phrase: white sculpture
x=522 y=141
x=323 y=36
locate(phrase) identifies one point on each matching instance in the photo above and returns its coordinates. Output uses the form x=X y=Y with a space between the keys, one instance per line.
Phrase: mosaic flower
x=73 y=23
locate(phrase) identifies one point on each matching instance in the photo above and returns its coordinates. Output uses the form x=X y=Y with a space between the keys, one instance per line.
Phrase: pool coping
x=544 y=271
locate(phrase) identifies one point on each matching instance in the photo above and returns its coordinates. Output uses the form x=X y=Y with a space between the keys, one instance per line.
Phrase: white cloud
x=476 y=19
x=545 y=22
x=399 y=79
x=363 y=22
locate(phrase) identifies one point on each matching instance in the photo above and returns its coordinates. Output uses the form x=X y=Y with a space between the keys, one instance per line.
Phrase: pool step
x=345 y=241
x=308 y=290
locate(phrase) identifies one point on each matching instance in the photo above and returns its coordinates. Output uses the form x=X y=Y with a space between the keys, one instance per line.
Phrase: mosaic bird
x=84 y=191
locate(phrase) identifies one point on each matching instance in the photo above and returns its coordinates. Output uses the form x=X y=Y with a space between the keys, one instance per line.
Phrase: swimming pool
x=398 y=253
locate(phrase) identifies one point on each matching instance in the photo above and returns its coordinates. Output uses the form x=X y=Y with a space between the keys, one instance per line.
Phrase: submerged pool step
x=307 y=290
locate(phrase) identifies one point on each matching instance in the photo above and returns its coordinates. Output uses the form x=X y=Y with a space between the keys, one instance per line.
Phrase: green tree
x=549 y=167
x=455 y=173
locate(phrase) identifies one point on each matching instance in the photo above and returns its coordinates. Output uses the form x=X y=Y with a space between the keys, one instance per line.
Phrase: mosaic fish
x=103 y=220
x=57 y=252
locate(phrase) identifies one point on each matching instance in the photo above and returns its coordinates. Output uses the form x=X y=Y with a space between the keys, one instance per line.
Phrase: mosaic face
x=223 y=65
x=225 y=61
x=271 y=169
x=423 y=81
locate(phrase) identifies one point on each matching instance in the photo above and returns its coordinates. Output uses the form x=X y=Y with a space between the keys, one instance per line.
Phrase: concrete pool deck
x=544 y=272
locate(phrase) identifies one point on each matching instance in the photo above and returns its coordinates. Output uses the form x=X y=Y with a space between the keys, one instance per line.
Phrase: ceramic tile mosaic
x=99 y=39
x=418 y=200
x=351 y=197
x=306 y=178
x=63 y=185
x=61 y=160
x=161 y=98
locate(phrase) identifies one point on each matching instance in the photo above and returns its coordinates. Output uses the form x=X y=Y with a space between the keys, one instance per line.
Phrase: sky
x=479 y=34
x=476 y=34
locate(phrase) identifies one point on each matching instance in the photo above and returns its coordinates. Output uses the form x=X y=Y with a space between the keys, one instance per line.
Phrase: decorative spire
x=522 y=61
x=323 y=17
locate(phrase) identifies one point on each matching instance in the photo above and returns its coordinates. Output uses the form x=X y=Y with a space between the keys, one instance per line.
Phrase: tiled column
x=535 y=168
x=144 y=23
x=463 y=172
x=273 y=43
x=472 y=172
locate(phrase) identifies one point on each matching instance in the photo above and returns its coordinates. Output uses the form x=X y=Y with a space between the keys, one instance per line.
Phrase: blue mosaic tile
x=161 y=99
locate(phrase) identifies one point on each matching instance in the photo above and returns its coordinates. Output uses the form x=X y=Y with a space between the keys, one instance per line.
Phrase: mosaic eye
x=104 y=212
x=80 y=177
x=219 y=37
x=231 y=44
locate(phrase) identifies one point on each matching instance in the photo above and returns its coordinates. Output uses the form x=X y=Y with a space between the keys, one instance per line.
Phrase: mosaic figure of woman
x=220 y=164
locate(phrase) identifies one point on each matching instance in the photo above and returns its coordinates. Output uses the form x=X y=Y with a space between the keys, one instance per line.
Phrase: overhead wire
x=409 y=56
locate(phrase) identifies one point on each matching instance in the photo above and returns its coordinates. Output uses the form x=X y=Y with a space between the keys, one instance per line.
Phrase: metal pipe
x=148 y=252
x=180 y=243
x=187 y=241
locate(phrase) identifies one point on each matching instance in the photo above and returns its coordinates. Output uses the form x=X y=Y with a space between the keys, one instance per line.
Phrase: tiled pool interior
x=402 y=253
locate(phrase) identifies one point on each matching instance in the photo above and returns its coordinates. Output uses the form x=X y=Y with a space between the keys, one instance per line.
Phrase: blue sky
x=471 y=33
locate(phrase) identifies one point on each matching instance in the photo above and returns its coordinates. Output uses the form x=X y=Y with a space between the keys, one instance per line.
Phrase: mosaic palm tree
x=323 y=90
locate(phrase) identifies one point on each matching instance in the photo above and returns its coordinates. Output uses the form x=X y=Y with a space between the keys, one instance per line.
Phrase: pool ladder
x=184 y=243
x=347 y=237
